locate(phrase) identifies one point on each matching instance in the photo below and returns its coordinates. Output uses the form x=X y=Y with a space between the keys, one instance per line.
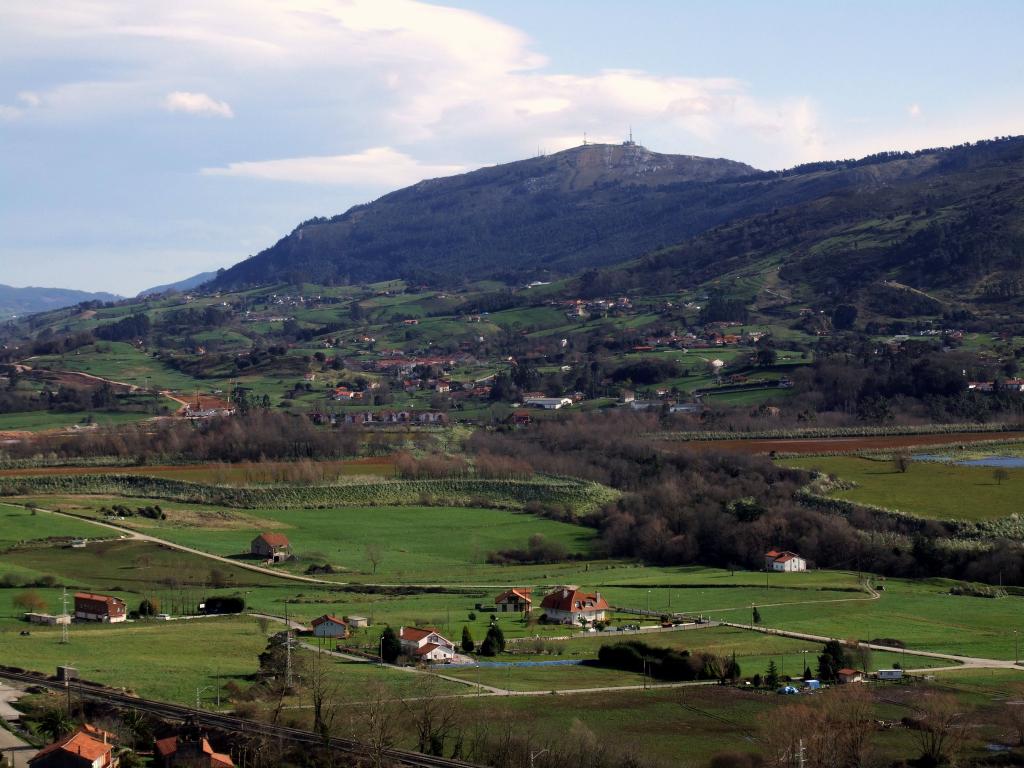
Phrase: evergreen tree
x=467 y=640
x=832 y=659
x=771 y=678
x=756 y=615
x=390 y=647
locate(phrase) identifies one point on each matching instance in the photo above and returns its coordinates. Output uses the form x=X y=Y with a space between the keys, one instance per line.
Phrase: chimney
x=597 y=597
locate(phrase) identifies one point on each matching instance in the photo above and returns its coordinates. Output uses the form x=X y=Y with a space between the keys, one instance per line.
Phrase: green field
x=931 y=489
x=416 y=544
x=34 y=421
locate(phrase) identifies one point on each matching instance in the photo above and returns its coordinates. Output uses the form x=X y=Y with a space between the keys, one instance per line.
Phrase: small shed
x=847 y=675
x=357 y=622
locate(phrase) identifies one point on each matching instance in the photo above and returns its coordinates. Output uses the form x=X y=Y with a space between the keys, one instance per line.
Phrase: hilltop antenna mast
x=584 y=138
x=65 y=624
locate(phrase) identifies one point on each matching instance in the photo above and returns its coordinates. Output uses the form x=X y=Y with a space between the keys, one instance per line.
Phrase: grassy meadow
x=936 y=490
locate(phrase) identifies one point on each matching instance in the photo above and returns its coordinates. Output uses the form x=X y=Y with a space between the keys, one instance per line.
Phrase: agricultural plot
x=19 y=525
x=35 y=421
x=122 y=362
x=449 y=544
x=930 y=489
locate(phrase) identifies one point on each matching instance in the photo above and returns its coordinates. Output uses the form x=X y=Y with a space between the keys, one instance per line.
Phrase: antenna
x=65 y=623
x=584 y=138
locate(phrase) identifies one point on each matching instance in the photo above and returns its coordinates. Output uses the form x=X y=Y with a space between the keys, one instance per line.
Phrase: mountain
x=23 y=301
x=947 y=217
x=924 y=234
x=182 y=285
x=595 y=204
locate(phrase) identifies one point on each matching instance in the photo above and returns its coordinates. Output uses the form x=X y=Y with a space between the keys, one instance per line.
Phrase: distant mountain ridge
x=24 y=301
x=182 y=285
x=599 y=206
x=560 y=211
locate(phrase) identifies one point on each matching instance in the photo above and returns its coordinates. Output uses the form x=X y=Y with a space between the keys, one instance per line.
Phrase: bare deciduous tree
x=940 y=727
x=434 y=716
x=375 y=554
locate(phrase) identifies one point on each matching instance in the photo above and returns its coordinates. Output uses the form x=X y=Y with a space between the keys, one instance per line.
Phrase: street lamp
x=1016 y=647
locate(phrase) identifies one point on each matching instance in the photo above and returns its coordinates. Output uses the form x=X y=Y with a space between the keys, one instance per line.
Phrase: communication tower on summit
x=629 y=142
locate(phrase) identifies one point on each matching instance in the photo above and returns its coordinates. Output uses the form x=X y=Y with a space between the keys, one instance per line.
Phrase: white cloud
x=376 y=167
x=422 y=75
x=196 y=104
x=914 y=110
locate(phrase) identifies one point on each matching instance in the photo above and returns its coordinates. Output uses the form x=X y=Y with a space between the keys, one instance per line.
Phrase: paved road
x=974 y=662
x=12 y=746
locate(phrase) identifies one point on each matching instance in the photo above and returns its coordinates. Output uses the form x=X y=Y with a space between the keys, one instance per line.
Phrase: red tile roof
x=426 y=649
x=78 y=744
x=522 y=593
x=574 y=601
x=169 y=746
x=325 y=618
x=99 y=598
x=415 y=634
x=274 y=539
x=847 y=672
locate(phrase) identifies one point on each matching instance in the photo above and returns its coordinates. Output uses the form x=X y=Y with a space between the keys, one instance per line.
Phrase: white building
x=569 y=605
x=548 y=403
x=789 y=562
x=329 y=626
x=425 y=645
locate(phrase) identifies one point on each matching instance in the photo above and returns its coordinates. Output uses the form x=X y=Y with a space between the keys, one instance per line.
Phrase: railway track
x=231 y=723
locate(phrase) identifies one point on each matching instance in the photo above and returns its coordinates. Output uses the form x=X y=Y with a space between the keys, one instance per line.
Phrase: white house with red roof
x=329 y=626
x=570 y=605
x=425 y=644
x=515 y=600
x=79 y=750
x=784 y=561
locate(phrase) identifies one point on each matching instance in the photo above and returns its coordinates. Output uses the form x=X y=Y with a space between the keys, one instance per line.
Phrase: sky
x=144 y=141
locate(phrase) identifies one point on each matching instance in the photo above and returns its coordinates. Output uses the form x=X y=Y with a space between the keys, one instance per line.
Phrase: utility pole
x=287 y=648
x=65 y=624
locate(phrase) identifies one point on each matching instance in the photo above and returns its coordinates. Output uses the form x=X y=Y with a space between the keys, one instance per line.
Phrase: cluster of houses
x=92 y=747
x=580 y=309
x=371 y=418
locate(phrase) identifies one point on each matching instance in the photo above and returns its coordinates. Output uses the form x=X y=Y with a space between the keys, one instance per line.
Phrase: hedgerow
x=583 y=497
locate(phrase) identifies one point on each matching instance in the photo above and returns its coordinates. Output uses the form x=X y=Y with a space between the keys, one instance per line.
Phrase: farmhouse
x=79 y=750
x=569 y=605
x=271 y=546
x=516 y=600
x=781 y=560
x=425 y=644
x=90 y=607
x=329 y=626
